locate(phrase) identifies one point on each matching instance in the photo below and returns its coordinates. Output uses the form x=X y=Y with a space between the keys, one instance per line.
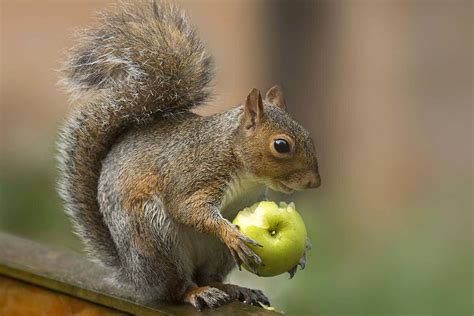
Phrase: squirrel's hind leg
x=148 y=246
x=243 y=294
x=213 y=273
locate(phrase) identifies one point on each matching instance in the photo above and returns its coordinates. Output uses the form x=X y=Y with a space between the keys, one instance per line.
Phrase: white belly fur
x=243 y=191
x=197 y=248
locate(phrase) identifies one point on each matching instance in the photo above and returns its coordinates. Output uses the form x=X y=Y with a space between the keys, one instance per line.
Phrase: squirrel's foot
x=243 y=294
x=203 y=296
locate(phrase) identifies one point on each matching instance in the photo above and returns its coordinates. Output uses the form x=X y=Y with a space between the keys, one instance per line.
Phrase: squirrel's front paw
x=237 y=243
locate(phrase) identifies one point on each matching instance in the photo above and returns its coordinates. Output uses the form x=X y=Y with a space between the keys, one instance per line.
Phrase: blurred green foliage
x=422 y=267
x=415 y=270
x=30 y=207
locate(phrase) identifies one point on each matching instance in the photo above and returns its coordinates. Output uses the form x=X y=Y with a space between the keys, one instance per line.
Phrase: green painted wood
x=70 y=273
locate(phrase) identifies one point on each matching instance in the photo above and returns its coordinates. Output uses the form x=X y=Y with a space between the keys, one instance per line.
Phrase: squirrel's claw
x=292 y=271
x=242 y=257
x=206 y=296
x=242 y=253
x=302 y=261
x=249 y=258
x=237 y=260
x=243 y=294
x=250 y=241
x=247 y=239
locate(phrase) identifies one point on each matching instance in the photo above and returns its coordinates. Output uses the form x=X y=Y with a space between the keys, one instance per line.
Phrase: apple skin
x=279 y=229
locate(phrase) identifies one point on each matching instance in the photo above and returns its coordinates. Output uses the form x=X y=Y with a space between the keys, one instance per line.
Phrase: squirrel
x=145 y=181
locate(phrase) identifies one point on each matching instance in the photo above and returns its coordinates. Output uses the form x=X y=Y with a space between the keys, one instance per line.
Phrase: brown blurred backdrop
x=385 y=87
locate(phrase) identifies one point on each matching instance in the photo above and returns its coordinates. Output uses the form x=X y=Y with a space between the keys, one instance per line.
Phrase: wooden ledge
x=70 y=273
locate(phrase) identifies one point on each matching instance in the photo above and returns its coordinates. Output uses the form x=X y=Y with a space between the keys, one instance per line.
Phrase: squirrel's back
x=142 y=60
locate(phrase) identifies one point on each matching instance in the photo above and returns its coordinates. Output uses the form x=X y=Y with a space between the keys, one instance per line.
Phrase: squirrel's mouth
x=282 y=187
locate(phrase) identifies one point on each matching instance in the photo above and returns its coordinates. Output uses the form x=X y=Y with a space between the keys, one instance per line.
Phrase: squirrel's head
x=273 y=147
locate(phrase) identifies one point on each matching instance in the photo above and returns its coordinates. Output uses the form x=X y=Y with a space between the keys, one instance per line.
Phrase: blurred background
x=386 y=89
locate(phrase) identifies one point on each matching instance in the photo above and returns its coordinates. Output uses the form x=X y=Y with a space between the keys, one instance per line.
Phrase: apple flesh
x=281 y=232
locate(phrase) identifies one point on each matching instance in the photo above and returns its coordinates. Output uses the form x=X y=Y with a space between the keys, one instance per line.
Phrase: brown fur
x=144 y=180
x=138 y=188
x=120 y=73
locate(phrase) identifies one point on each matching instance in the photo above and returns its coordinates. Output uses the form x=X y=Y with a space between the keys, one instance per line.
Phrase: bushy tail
x=142 y=59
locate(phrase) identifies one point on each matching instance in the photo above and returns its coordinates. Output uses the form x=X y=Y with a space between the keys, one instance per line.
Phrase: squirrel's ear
x=253 y=109
x=275 y=96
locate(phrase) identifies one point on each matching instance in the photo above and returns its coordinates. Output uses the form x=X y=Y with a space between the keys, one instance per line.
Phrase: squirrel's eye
x=281 y=146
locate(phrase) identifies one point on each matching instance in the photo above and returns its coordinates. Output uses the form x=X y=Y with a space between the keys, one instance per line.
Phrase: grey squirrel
x=148 y=184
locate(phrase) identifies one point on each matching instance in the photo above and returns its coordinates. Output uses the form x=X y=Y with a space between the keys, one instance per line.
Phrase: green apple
x=281 y=232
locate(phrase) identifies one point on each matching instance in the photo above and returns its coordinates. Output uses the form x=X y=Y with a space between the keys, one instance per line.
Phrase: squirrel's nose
x=314 y=181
